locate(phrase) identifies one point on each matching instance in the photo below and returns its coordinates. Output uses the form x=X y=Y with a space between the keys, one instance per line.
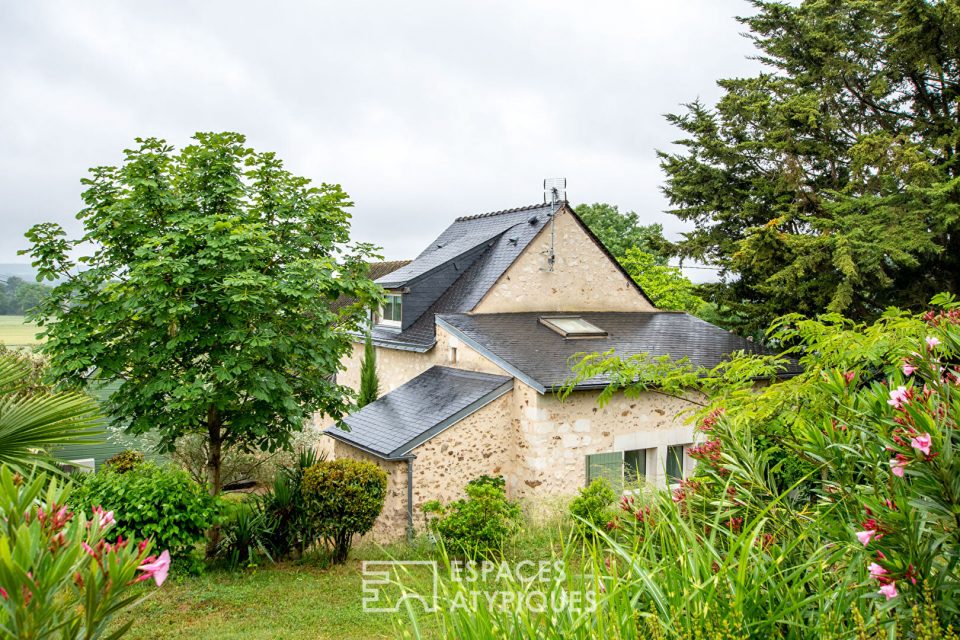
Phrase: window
x=573 y=327
x=606 y=465
x=620 y=468
x=674 y=464
x=634 y=466
x=392 y=311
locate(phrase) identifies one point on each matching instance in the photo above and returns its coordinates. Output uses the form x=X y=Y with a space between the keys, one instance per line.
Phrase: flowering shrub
x=160 y=503
x=63 y=575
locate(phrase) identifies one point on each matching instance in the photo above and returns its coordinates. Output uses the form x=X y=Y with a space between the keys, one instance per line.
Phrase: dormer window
x=573 y=327
x=391 y=313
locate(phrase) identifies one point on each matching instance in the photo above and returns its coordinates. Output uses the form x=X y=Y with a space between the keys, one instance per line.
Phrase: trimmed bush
x=479 y=526
x=592 y=508
x=163 y=504
x=125 y=461
x=343 y=499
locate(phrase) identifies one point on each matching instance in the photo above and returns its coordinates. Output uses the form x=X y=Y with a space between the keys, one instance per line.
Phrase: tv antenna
x=554 y=192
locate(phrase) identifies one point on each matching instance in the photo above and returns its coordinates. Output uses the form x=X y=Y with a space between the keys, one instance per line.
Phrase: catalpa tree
x=206 y=291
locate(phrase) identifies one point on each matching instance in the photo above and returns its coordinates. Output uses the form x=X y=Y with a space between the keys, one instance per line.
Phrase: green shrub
x=592 y=508
x=343 y=498
x=163 y=504
x=245 y=534
x=479 y=526
x=124 y=461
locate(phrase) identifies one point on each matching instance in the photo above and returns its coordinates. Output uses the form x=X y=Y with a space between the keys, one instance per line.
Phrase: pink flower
x=897 y=465
x=921 y=443
x=889 y=590
x=865 y=536
x=88 y=549
x=156 y=569
x=876 y=570
x=103 y=517
x=898 y=396
x=932 y=342
x=908 y=368
x=849 y=376
x=3 y=592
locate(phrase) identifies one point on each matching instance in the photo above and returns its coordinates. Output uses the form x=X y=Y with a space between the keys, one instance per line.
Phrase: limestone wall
x=583 y=277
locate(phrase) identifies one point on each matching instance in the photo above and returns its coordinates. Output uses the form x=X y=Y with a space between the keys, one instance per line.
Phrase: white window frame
x=390 y=322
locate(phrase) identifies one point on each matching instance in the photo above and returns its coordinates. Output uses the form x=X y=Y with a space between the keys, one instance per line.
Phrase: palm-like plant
x=32 y=422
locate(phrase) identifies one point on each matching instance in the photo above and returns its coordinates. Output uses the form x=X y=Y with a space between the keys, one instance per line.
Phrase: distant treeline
x=17 y=296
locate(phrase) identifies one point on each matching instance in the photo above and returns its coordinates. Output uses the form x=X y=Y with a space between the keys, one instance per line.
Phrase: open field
x=16 y=332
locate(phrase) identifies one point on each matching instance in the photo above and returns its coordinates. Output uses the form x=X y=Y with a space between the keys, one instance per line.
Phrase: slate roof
x=540 y=357
x=419 y=409
x=501 y=236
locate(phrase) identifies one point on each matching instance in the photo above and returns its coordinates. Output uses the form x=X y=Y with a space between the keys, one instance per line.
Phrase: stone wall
x=584 y=278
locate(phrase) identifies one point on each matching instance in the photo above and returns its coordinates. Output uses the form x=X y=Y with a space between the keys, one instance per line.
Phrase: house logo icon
x=388 y=585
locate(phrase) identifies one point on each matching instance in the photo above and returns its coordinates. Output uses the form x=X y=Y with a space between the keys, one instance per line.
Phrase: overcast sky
x=423 y=111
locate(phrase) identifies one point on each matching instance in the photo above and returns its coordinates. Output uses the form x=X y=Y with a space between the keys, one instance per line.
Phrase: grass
x=16 y=332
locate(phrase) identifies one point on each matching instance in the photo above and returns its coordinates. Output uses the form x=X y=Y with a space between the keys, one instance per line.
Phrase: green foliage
x=666 y=286
x=52 y=586
x=343 y=498
x=161 y=503
x=289 y=525
x=620 y=232
x=125 y=461
x=479 y=526
x=34 y=420
x=246 y=535
x=592 y=509
x=369 y=381
x=831 y=180
x=208 y=295
x=18 y=297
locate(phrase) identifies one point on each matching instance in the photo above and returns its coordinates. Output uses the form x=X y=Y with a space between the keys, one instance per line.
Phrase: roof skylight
x=572 y=327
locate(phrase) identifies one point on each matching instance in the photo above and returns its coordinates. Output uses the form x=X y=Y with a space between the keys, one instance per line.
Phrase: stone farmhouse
x=475 y=338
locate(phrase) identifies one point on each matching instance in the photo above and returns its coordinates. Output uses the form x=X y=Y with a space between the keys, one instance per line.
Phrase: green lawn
x=288 y=602
x=16 y=332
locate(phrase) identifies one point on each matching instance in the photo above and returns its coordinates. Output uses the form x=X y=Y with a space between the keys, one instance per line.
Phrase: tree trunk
x=214 y=454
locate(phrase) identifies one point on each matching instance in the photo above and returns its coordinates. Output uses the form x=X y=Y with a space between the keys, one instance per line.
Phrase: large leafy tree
x=620 y=232
x=207 y=293
x=830 y=181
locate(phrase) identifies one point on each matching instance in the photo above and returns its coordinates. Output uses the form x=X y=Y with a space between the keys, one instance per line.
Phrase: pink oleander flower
x=90 y=551
x=932 y=341
x=908 y=369
x=876 y=570
x=3 y=592
x=865 y=536
x=156 y=568
x=889 y=590
x=922 y=443
x=898 y=397
x=849 y=376
x=898 y=464
x=103 y=518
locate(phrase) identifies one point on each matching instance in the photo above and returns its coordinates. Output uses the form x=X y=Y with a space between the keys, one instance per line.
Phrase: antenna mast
x=556 y=190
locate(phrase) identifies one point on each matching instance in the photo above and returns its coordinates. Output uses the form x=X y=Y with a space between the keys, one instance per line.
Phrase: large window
x=392 y=312
x=622 y=469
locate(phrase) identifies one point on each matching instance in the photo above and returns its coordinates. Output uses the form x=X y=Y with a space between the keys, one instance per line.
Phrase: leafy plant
x=246 y=535
x=343 y=499
x=290 y=527
x=592 y=509
x=124 y=461
x=209 y=297
x=479 y=526
x=160 y=503
x=34 y=420
x=60 y=576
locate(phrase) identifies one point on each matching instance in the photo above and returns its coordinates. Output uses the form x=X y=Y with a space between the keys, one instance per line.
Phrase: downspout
x=410 y=529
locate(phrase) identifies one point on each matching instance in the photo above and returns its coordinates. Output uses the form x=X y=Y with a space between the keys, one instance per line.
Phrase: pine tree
x=369 y=382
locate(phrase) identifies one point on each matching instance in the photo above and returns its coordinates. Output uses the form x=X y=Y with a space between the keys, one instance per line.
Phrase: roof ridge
x=501 y=212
